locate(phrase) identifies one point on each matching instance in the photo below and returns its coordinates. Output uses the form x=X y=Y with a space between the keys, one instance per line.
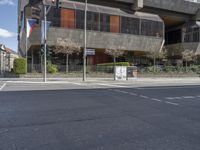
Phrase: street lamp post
x=85 y=43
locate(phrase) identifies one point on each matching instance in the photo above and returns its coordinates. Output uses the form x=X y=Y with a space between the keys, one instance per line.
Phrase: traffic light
x=35 y=13
x=57 y=3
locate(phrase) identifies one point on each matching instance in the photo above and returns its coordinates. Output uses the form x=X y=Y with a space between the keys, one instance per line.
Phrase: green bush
x=19 y=66
x=52 y=68
x=169 y=69
x=154 y=69
x=117 y=64
x=109 y=67
x=194 y=68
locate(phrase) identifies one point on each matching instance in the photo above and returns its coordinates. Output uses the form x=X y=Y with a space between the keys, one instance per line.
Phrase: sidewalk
x=137 y=81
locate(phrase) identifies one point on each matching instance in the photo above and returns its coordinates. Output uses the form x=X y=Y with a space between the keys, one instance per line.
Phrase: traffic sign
x=90 y=52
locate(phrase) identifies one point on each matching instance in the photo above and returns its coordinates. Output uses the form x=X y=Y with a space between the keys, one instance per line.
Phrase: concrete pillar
x=138 y=4
x=197 y=16
x=1 y=62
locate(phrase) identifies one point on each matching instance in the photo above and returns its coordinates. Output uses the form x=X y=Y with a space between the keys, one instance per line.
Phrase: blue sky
x=8 y=23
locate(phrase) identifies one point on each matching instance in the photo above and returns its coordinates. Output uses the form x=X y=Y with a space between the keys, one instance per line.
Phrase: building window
x=130 y=25
x=80 y=15
x=93 y=21
x=191 y=32
x=54 y=17
x=173 y=37
x=104 y=22
x=151 y=28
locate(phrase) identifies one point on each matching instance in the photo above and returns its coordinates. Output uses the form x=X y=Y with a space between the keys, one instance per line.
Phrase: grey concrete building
x=138 y=26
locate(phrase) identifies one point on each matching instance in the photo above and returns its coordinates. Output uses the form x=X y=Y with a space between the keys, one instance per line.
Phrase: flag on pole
x=30 y=25
x=22 y=26
x=43 y=29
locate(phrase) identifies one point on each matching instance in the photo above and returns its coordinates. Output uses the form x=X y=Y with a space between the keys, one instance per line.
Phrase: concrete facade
x=99 y=39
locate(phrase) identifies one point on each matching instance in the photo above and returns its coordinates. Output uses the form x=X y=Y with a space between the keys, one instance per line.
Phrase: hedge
x=171 y=69
x=109 y=67
x=19 y=66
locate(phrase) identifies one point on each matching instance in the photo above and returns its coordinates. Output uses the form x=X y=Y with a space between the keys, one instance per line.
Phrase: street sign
x=90 y=52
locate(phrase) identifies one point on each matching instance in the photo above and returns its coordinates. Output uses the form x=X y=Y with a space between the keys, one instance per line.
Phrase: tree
x=115 y=53
x=187 y=56
x=66 y=47
x=155 y=55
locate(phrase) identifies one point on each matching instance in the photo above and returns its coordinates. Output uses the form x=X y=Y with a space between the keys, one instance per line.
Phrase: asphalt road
x=151 y=118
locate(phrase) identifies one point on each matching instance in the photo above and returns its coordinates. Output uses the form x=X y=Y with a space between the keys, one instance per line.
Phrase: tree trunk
x=154 y=64
x=67 y=63
x=32 y=62
x=114 y=60
x=186 y=64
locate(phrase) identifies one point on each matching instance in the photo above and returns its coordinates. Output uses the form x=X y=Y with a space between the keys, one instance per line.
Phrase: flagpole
x=85 y=44
x=26 y=48
x=45 y=45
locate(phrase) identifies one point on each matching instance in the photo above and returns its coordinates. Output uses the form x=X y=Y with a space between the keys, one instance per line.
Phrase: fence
x=36 y=70
x=98 y=71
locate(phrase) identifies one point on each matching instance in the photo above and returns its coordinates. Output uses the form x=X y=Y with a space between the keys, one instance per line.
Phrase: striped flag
x=30 y=25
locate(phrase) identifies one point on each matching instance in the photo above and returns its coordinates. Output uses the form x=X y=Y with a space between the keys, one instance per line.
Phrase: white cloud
x=6 y=34
x=7 y=2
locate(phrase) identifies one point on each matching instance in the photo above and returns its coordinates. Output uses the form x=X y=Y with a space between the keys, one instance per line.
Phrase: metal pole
x=32 y=61
x=85 y=44
x=26 y=53
x=45 y=45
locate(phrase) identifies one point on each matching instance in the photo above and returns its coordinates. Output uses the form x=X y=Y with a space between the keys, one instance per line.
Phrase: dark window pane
x=80 y=15
x=104 y=22
x=130 y=25
x=191 y=33
x=93 y=21
x=54 y=17
x=151 y=28
x=173 y=37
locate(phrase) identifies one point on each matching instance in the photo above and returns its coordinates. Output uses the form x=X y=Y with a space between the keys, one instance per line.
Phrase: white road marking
x=177 y=97
x=48 y=82
x=188 y=97
x=1 y=88
x=134 y=94
x=143 y=96
x=154 y=99
x=169 y=98
x=169 y=87
x=171 y=103
x=183 y=97
x=124 y=92
x=110 y=85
